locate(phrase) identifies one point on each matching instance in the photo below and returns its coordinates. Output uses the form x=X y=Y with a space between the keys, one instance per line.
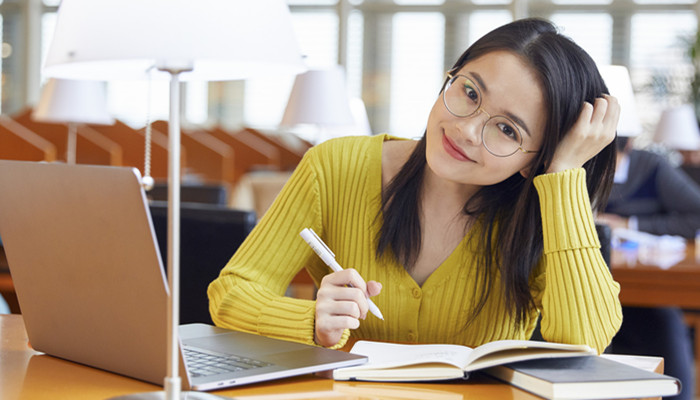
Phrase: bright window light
x=417 y=60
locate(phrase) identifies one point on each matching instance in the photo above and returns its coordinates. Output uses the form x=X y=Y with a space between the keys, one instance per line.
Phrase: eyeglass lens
x=500 y=135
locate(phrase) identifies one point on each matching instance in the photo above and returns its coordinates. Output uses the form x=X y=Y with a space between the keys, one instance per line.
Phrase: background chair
x=216 y=194
x=209 y=236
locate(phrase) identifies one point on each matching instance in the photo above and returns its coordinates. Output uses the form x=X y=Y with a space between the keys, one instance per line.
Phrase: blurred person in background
x=651 y=195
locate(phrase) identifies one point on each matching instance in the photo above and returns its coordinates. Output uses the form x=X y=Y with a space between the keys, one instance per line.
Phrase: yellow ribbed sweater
x=336 y=190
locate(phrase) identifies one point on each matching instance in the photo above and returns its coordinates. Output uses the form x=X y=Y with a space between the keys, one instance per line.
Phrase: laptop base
x=161 y=395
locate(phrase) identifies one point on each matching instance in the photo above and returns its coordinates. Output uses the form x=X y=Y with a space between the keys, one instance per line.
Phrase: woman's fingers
x=346 y=285
x=347 y=277
x=341 y=301
x=373 y=288
x=593 y=130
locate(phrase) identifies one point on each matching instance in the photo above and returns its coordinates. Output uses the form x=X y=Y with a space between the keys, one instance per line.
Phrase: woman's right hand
x=341 y=302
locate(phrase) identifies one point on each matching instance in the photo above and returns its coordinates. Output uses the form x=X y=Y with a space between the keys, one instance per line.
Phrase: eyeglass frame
x=450 y=81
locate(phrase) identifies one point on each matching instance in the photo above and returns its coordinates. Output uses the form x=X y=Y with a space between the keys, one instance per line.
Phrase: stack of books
x=549 y=370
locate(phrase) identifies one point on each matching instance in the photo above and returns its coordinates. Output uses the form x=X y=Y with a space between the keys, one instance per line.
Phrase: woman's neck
x=445 y=195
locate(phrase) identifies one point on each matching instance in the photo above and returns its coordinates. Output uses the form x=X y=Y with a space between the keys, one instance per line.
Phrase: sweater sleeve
x=248 y=295
x=579 y=302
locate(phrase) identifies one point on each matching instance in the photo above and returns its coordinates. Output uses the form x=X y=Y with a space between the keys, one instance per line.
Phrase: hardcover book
x=592 y=377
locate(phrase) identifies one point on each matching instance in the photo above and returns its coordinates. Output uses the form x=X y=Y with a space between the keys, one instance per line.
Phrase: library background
x=395 y=54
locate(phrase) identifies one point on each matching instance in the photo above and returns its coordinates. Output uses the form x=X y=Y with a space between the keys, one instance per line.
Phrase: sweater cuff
x=567 y=218
x=297 y=316
x=292 y=319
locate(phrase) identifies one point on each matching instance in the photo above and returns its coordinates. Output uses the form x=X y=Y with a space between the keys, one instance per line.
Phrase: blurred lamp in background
x=73 y=102
x=617 y=79
x=319 y=107
x=678 y=129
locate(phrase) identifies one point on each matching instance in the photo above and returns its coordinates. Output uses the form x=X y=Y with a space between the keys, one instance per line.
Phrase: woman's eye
x=471 y=93
x=509 y=131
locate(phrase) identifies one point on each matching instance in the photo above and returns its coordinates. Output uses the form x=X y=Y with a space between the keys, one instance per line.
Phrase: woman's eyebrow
x=479 y=80
x=519 y=121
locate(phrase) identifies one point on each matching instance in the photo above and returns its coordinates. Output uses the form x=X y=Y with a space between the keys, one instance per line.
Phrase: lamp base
x=161 y=395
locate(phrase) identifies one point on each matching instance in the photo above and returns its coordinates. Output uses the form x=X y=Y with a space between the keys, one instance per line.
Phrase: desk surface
x=645 y=284
x=26 y=374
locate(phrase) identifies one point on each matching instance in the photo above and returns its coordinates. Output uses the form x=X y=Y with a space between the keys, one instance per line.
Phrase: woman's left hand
x=594 y=129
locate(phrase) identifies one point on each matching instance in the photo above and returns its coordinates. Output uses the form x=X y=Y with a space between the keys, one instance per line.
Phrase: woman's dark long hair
x=507 y=214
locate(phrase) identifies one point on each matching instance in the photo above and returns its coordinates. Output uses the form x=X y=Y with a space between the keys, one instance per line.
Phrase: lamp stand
x=72 y=143
x=172 y=383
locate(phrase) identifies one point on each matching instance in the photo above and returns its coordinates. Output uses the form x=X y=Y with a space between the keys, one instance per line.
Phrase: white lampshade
x=678 y=129
x=73 y=101
x=617 y=79
x=319 y=97
x=216 y=39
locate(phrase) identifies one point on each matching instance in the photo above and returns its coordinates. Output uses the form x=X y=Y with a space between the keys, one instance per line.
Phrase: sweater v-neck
x=446 y=267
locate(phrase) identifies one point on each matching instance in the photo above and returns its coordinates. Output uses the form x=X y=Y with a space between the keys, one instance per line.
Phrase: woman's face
x=506 y=87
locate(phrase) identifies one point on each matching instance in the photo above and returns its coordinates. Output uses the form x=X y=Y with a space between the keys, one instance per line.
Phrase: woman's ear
x=525 y=172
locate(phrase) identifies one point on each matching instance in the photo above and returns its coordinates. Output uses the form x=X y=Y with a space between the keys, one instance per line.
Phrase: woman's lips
x=454 y=151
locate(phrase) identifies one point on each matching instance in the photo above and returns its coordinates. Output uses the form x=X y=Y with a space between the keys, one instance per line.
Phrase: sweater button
x=417 y=293
x=411 y=336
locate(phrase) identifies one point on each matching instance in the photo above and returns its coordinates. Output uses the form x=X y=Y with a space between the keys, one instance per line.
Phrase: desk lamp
x=175 y=40
x=617 y=79
x=73 y=102
x=319 y=99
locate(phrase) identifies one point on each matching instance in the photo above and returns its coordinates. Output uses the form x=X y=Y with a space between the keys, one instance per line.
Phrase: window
x=48 y=24
x=482 y=22
x=417 y=70
x=591 y=31
x=661 y=70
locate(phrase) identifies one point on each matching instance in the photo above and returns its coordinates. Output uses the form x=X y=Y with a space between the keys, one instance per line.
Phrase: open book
x=428 y=362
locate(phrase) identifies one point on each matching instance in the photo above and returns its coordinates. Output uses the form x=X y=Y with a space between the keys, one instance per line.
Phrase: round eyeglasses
x=499 y=135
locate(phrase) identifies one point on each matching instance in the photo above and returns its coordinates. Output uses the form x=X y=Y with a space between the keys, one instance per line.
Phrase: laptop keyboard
x=205 y=363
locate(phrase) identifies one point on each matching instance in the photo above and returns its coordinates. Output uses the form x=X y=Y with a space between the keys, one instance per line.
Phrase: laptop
x=92 y=289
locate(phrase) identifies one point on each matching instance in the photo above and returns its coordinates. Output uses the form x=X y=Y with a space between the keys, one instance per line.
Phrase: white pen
x=328 y=257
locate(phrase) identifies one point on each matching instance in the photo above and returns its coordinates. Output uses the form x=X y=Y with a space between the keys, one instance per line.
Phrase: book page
x=389 y=355
x=503 y=351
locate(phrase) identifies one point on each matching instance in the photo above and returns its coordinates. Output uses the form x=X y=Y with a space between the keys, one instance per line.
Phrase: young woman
x=465 y=236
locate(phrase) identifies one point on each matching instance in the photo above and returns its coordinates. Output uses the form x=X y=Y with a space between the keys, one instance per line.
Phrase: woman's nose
x=471 y=127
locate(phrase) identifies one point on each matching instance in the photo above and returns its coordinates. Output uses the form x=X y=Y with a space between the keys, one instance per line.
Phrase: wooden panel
x=208 y=158
x=19 y=143
x=289 y=155
x=251 y=152
x=91 y=146
x=132 y=142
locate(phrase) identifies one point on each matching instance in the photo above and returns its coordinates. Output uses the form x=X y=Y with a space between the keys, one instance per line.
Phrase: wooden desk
x=650 y=285
x=26 y=374
x=643 y=285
